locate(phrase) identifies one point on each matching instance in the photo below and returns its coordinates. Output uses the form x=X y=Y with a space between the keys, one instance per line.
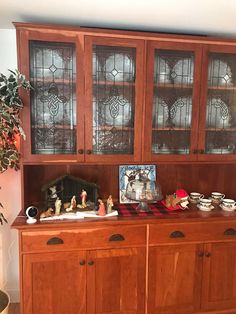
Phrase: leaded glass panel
x=53 y=100
x=172 y=101
x=113 y=99
x=221 y=104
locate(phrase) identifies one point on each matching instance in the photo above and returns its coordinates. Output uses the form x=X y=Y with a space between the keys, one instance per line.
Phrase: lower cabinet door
x=54 y=283
x=116 y=281
x=219 y=277
x=174 y=279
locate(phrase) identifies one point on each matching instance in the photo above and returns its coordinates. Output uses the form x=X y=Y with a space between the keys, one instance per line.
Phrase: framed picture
x=127 y=173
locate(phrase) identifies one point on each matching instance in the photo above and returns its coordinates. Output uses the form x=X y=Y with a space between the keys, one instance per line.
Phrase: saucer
x=228 y=209
x=205 y=209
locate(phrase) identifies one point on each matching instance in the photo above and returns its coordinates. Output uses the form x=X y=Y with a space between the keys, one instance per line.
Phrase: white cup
x=195 y=196
x=205 y=202
x=228 y=202
x=217 y=196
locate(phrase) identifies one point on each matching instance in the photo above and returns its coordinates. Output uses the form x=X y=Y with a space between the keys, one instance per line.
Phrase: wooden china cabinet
x=88 y=102
x=190 y=102
x=86 y=105
x=102 y=98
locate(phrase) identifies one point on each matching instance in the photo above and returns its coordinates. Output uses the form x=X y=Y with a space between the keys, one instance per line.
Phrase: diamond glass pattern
x=53 y=101
x=172 y=101
x=113 y=99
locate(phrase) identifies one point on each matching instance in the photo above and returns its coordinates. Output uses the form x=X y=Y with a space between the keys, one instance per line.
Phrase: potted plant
x=10 y=130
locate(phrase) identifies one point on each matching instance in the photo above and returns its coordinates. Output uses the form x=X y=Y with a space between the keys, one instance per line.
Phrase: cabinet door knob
x=90 y=263
x=201 y=151
x=117 y=237
x=200 y=253
x=80 y=151
x=207 y=254
x=82 y=262
x=230 y=231
x=55 y=241
x=177 y=234
x=195 y=151
x=89 y=152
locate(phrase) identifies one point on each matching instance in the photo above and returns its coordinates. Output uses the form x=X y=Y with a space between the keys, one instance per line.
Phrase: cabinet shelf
x=222 y=88
x=112 y=83
x=54 y=126
x=173 y=86
x=221 y=130
x=49 y=80
x=171 y=129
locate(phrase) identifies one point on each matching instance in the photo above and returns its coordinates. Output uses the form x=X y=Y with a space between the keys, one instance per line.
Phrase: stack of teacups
x=205 y=204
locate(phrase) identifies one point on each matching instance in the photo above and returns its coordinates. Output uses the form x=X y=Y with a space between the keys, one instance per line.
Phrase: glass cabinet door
x=172 y=95
x=115 y=100
x=220 y=117
x=53 y=98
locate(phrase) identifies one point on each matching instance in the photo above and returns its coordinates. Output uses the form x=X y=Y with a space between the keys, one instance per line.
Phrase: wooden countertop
x=193 y=214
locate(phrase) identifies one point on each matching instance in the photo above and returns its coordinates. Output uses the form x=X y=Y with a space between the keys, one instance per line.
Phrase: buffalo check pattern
x=157 y=209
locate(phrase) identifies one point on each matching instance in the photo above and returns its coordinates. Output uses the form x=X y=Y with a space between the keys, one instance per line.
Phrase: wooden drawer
x=111 y=237
x=196 y=232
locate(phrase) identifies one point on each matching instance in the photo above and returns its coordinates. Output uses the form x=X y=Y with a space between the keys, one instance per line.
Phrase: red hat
x=181 y=193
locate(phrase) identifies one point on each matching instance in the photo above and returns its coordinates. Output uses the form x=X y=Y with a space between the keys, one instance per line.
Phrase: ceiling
x=206 y=17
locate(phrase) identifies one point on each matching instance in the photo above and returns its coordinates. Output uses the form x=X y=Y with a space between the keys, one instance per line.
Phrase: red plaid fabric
x=157 y=209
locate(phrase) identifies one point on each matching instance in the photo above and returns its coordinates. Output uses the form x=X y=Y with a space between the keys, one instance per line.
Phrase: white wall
x=10 y=195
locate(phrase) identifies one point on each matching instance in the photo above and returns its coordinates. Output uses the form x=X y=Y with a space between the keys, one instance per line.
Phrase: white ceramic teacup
x=217 y=196
x=205 y=202
x=228 y=202
x=195 y=196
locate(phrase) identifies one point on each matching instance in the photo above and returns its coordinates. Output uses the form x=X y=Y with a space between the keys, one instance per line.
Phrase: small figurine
x=73 y=202
x=109 y=204
x=83 y=196
x=57 y=206
x=47 y=213
x=101 y=208
x=72 y=205
x=53 y=191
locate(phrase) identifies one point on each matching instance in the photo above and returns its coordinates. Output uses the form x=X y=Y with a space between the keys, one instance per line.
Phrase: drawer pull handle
x=82 y=262
x=116 y=237
x=90 y=263
x=177 y=234
x=54 y=241
x=230 y=231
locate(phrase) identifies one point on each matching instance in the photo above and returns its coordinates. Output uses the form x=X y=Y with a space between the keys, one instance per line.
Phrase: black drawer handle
x=230 y=231
x=177 y=234
x=54 y=241
x=116 y=237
